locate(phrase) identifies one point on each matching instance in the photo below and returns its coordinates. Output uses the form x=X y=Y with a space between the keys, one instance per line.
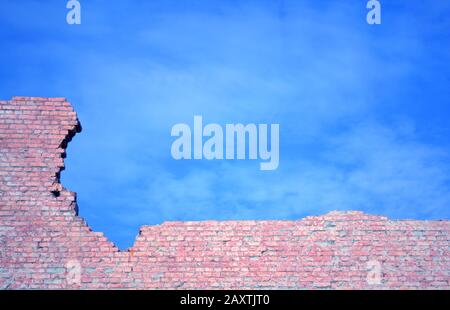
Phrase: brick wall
x=44 y=244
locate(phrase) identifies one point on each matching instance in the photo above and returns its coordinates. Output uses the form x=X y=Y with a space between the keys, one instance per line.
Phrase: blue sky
x=363 y=110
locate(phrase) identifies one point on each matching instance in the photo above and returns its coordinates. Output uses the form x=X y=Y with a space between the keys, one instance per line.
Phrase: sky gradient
x=363 y=110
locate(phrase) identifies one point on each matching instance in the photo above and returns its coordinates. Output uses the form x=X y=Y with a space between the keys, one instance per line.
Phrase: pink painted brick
x=43 y=242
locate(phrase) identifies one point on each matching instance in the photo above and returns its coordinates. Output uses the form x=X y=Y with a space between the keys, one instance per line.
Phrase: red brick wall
x=44 y=244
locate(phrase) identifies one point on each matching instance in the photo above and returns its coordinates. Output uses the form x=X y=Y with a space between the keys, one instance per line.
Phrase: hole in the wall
x=75 y=208
x=56 y=192
x=58 y=174
x=70 y=136
x=89 y=215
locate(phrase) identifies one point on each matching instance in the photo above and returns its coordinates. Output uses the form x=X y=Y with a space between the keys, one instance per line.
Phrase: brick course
x=45 y=244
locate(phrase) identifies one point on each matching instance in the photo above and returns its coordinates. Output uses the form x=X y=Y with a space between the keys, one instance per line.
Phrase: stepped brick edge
x=44 y=243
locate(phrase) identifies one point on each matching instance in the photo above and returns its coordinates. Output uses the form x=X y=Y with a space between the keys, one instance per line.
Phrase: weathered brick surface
x=43 y=243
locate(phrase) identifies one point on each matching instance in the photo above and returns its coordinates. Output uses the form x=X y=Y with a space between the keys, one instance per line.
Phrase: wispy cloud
x=369 y=167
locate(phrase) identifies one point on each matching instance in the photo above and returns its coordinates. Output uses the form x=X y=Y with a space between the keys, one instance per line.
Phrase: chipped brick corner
x=45 y=244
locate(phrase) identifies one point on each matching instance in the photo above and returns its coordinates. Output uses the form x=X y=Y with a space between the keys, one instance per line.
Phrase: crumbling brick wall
x=44 y=244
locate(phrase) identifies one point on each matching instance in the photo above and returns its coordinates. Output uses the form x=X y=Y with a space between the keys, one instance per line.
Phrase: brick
x=43 y=244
